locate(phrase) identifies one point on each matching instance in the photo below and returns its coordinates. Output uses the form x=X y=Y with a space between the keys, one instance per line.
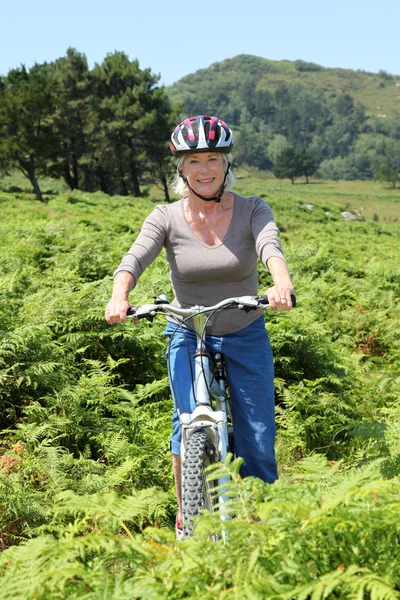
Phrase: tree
x=27 y=140
x=292 y=163
x=106 y=128
x=160 y=164
x=72 y=121
x=389 y=169
x=302 y=111
x=276 y=145
x=133 y=124
x=253 y=143
x=288 y=164
x=309 y=163
x=344 y=105
x=264 y=108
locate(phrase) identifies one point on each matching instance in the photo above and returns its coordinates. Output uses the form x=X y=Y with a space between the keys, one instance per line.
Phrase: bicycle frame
x=213 y=422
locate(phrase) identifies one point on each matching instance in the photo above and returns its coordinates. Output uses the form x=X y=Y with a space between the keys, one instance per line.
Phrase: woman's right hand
x=116 y=311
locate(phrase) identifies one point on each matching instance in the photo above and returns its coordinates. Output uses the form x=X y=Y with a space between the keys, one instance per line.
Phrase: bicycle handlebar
x=161 y=305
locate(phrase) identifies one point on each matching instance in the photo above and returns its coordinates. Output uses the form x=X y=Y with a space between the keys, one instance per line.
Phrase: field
x=86 y=494
x=373 y=200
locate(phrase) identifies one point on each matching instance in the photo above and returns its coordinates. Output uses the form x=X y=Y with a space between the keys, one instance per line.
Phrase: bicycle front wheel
x=196 y=490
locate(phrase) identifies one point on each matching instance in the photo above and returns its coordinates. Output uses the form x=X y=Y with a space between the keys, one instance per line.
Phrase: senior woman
x=213 y=240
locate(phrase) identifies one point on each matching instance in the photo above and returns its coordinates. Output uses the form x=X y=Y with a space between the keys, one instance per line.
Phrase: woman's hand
x=117 y=307
x=279 y=294
x=116 y=311
x=279 y=297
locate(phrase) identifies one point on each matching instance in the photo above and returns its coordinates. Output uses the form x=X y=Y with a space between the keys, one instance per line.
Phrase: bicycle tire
x=196 y=491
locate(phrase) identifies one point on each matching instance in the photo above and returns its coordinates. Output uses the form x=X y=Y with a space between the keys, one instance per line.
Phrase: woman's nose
x=203 y=166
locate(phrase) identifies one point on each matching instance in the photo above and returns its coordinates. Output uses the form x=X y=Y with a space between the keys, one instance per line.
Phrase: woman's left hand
x=279 y=297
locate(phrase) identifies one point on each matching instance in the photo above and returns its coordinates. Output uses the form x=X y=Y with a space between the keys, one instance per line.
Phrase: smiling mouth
x=206 y=180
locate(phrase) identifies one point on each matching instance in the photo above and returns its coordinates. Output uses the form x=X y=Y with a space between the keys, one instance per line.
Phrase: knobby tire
x=196 y=491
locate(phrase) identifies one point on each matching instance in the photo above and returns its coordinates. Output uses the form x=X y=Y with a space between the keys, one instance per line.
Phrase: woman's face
x=205 y=172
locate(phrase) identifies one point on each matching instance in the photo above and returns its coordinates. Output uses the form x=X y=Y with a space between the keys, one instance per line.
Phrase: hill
x=378 y=92
x=349 y=119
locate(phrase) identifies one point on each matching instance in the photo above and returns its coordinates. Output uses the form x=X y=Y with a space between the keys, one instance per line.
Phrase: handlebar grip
x=264 y=300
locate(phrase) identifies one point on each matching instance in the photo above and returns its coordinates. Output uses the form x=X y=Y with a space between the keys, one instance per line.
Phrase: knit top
x=202 y=274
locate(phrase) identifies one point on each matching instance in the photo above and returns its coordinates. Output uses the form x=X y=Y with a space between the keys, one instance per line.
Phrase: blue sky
x=178 y=37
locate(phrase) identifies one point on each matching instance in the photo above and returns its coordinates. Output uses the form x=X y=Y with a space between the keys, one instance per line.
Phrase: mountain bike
x=207 y=432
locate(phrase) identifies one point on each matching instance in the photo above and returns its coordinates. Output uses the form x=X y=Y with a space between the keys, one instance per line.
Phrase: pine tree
x=27 y=139
x=288 y=164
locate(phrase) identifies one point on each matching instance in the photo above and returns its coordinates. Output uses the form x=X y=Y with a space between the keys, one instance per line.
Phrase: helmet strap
x=217 y=198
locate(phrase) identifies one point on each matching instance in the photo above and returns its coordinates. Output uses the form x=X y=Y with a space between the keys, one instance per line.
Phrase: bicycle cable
x=203 y=338
x=180 y=326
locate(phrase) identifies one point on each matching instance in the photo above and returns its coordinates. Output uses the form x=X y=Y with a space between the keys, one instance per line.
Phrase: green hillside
x=348 y=120
x=86 y=498
x=378 y=92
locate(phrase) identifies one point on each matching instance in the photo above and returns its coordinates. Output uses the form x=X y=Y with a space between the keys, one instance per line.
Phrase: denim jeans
x=250 y=371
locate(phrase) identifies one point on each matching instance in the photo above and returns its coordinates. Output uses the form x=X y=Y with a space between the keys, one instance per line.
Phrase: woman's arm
x=279 y=294
x=269 y=250
x=147 y=245
x=143 y=251
x=116 y=309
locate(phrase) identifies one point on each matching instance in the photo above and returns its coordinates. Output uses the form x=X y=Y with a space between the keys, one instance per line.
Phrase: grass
x=373 y=200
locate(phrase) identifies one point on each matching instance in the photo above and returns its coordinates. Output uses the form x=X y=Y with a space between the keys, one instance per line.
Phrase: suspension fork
x=206 y=385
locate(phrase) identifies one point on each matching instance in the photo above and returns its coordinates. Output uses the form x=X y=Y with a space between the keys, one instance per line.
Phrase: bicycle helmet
x=201 y=134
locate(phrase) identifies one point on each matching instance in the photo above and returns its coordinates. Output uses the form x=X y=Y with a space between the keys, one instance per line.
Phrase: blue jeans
x=250 y=371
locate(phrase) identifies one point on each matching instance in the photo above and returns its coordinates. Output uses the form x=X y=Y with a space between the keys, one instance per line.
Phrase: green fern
x=86 y=492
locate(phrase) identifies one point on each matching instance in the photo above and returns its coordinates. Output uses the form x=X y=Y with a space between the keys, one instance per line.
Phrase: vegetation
x=105 y=129
x=292 y=163
x=86 y=494
x=348 y=120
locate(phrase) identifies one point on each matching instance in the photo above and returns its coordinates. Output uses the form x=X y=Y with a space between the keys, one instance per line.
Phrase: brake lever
x=146 y=311
x=248 y=303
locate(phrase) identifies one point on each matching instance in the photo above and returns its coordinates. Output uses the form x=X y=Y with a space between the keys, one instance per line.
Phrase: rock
x=309 y=206
x=348 y=216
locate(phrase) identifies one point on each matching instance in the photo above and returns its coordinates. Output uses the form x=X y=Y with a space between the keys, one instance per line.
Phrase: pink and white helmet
x=201 y=134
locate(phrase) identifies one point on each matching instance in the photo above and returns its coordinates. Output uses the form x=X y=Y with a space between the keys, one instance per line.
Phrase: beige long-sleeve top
x=203 y=274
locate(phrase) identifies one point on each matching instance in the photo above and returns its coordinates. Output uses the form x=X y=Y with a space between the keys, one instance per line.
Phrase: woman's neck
x=208 y=208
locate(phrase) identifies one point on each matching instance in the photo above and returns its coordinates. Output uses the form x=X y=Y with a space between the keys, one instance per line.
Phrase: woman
x=213 y=239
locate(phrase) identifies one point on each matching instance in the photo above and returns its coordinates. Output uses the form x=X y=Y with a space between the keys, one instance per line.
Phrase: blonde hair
x=181 y=189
